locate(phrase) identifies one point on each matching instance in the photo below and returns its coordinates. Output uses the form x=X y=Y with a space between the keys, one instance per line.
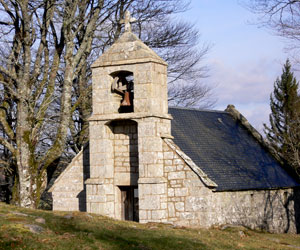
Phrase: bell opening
x=123 y=85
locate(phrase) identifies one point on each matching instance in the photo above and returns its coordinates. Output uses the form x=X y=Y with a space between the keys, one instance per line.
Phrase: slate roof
x=226 y=151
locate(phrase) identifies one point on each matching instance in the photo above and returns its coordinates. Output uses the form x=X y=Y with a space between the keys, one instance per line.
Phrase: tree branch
x=8 y=145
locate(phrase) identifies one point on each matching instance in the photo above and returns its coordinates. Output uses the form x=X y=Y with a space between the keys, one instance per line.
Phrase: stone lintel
x=128 y=62
x=206 y=180
x=94 y=181
x=126 y=116
x=126 y=179
x=154 y=180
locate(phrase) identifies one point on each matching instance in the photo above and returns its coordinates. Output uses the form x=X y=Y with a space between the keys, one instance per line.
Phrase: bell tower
x=129 y=62
x=130 y=118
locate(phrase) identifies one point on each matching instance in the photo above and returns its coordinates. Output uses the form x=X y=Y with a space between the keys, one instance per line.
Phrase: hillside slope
x=37 y=229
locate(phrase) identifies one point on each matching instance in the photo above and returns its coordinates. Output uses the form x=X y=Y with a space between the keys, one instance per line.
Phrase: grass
x=65 y=230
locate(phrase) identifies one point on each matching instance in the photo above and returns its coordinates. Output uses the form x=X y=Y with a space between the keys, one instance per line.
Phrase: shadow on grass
x=146 y=241
x=120 y=237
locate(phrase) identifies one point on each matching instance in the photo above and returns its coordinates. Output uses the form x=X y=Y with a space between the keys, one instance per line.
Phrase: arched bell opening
x=123 y=85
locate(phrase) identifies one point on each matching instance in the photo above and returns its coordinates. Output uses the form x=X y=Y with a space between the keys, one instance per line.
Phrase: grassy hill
x=37 y=229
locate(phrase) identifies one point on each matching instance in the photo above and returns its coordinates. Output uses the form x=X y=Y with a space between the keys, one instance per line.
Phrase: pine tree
x=283 y=134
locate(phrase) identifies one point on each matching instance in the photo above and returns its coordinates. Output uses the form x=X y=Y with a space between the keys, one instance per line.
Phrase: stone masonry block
x=170 y=169
x=158 y=188
x=191 y=175
x=142 y=90
x=108 y=189
x=181 y=192
x=95 y=208
x=147 y=157
x=160 y=155
x=158 y=214
x=164 y=129
x=171 y=209
x=109 y=208
x=122 y=148
x=147 y=129
x=168 y=155
x=155 y=170
x=98 y=129
x=152 y=144
x=150 y=202
x=176 y=175
x=171 y=192
x=144 y=190
x=140 y=105
x=96 y=198
x=164 y=205
x=101 y=146
x=118 y=143
x=142 y=171
x=179 y=206
x=178 y=161
x=143 y=215
x=179 y=167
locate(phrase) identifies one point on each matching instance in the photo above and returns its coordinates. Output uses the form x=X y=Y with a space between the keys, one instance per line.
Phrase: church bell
x=126 y=100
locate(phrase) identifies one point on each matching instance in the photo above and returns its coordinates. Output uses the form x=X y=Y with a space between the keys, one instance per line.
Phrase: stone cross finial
x=127 y=20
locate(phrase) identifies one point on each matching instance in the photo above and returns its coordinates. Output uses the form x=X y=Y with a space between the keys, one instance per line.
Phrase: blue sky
x=244 y=60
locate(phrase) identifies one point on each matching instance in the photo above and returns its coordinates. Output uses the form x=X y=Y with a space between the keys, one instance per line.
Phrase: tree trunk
x=23 y=157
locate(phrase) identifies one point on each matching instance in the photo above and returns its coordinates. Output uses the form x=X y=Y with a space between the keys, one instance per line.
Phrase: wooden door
x=129 y=203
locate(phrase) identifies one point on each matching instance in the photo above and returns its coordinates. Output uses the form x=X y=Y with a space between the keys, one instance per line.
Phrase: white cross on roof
x=127 y=21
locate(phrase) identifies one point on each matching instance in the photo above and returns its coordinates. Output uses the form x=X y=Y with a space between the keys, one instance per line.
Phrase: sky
x=244 y=60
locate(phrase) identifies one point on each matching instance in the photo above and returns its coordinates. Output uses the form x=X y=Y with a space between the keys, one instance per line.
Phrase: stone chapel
x=149 y=163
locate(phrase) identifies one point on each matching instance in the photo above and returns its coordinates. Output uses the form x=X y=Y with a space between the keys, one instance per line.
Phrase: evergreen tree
x=283 y=134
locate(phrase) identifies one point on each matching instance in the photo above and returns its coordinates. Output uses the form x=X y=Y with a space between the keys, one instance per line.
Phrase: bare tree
x=281 y=16
x=39 y=39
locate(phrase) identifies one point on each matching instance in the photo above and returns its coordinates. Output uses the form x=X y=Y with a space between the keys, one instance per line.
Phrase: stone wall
x=152 y=184
x=125 y=142
x=68 y=191
x=153 y=200
x=271 y=210
x=184 y=188
x=115 y=164
x=192 y=204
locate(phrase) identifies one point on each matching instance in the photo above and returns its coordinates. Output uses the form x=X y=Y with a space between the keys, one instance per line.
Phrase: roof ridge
x=243 y=120
x=197 y=109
